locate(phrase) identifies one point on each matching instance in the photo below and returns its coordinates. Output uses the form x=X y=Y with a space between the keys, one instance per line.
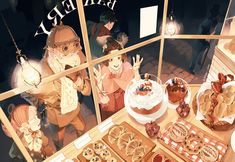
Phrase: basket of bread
x=214 y=103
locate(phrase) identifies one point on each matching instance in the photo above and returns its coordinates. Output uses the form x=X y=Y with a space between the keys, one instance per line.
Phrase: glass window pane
x=30 y=24
x=193 y=15
x=227 y=45
x=187 y=59
x=65 y=108
x=127 y=14
x=118 y=72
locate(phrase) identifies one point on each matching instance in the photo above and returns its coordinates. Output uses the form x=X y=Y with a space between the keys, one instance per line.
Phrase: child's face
x=115 y=63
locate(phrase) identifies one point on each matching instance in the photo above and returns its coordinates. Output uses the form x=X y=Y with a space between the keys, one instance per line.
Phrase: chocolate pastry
x=178 y=132
x=193 y=143
x=209 y=153
x=177 y=90
x=152 y=129
x=183 y=109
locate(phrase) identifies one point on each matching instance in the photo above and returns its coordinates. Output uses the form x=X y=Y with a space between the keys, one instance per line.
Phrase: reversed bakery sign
x=55 y=15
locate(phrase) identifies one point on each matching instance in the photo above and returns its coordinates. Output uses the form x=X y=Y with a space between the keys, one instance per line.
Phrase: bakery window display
x=191 y=143
x=144 y=99
x=214 y=104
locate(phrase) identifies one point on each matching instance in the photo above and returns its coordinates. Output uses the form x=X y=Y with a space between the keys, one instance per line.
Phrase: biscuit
x=209 y=153
x=178 y=132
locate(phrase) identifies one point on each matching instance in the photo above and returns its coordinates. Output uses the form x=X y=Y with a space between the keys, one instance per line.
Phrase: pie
x=209 y=153
x=178 y=132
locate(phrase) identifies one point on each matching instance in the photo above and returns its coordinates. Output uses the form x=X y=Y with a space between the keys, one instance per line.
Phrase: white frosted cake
x=145 y=96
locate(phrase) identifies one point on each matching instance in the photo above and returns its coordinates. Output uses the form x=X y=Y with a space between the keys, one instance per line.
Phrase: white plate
x=233 y=141
x=187 y=98
x=142 y=119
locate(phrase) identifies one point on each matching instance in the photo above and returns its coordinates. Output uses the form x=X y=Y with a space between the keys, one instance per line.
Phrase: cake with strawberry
x=145 y=96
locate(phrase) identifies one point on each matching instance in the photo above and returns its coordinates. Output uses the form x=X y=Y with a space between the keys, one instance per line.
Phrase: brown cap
x=61 y=34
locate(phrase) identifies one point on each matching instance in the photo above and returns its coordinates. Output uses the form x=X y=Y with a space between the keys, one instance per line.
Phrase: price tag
x=58 y=158
x=82 y=141
x=105 y=125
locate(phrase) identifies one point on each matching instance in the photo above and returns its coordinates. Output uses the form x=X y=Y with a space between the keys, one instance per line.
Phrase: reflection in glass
x=178 y=56
x=99 y=32
x=27 y=125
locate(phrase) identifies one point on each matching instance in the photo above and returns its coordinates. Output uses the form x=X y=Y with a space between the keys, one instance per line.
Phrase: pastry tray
x=178 y=148
x=139 y=136
x=82 y=159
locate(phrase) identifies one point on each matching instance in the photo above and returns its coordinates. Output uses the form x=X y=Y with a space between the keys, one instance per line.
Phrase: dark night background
x=25 y=18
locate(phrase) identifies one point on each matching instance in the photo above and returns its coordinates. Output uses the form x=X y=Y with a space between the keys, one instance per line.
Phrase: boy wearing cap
x=99 y=32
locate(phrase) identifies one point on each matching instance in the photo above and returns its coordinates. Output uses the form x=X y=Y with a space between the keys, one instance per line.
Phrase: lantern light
x=30 y=74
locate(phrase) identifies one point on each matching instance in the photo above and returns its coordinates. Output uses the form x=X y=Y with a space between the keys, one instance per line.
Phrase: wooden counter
x=71 y=152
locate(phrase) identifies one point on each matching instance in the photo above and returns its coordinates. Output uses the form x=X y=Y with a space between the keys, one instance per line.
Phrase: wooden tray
x=82 y=159
x=145 y=142
x=220 y=126
x=199 y=130
x=159 y=151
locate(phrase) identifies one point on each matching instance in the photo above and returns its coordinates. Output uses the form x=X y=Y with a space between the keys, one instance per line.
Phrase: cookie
x=111 y=159
x=88 y=153
x=105 y=154
x=95 y=159
x=178 y=132
x=209 y=153
x=98 y=147
x=193 y=143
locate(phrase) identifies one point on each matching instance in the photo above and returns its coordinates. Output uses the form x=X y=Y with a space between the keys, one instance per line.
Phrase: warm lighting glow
x=170 y=28
x=29 y=74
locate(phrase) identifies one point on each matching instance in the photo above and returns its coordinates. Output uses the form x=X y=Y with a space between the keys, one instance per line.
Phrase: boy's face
x=109 y=25
x=102 y=40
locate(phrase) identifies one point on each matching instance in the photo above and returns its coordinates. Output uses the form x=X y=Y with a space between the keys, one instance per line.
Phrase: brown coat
x=50 y=94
